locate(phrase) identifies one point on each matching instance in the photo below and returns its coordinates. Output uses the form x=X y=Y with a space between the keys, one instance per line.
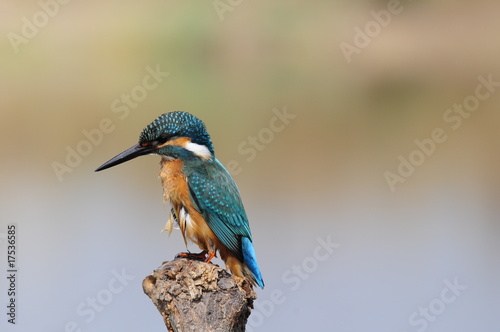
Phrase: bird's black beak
x=129 y=154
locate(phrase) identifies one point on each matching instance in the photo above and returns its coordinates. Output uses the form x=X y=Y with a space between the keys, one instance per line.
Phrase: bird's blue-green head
x=174 y=135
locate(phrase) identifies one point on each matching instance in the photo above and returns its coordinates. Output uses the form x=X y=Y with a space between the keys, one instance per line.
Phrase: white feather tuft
x=200 y=150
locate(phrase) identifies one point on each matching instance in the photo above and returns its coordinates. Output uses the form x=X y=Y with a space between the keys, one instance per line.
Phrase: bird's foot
x=209 y=257
x=202 y=256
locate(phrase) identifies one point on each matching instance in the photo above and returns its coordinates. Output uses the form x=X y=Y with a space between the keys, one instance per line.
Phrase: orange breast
x=174 y=182
x=191 y=223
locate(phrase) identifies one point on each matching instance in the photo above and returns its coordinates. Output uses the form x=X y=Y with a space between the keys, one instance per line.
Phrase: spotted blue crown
x=177 y=124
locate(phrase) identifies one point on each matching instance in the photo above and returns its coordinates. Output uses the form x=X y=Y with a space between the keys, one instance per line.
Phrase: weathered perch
x=197 y=296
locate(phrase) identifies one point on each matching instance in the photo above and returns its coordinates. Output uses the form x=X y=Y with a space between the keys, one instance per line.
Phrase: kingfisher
x=205 y=201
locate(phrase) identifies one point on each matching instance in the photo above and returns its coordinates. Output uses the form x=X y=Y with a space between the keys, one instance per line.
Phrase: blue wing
x=215 y=195
x=217 y=198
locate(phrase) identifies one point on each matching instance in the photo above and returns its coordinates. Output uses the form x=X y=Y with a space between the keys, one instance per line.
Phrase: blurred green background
x=320 y=177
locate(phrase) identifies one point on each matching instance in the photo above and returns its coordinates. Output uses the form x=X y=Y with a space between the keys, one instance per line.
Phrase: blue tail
x=251 y=260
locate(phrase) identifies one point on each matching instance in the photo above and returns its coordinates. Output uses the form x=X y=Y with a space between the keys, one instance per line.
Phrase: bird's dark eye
x=161 y=140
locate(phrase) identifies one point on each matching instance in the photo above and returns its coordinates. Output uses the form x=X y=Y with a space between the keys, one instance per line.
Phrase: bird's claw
x=202 y=256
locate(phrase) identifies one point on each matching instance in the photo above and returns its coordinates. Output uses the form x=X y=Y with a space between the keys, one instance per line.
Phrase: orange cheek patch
x=181 y=141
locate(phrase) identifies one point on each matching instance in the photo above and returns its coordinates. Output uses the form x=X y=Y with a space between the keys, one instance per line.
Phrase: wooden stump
x=197 y=296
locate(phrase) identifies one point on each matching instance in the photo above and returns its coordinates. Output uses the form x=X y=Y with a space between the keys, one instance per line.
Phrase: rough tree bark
x=196 y=296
